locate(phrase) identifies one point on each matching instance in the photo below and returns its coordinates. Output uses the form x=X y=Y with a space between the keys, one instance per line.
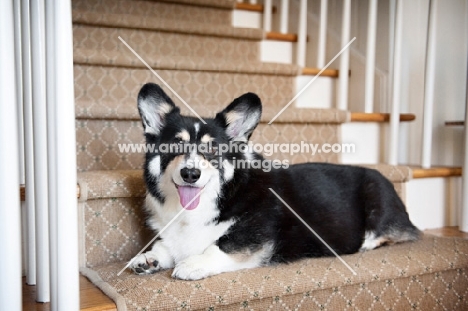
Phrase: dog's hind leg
x=393 y=235
x=387 y=221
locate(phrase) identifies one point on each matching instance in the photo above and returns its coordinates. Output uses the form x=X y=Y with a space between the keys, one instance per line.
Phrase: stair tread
x=111 y=184
x=125 y=58
x=169 y=25
x=428 y=257
x=217 y=14
x=127 y=110
x=93 y=299
x=153 y=42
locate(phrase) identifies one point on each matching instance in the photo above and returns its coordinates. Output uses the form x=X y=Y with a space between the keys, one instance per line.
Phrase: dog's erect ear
x=241 y=116
x=153 y=105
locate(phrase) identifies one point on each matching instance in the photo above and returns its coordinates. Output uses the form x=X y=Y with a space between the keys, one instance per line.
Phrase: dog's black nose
x=190 y=175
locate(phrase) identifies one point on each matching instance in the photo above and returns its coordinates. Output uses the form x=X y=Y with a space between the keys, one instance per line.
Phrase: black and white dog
x=231 y=219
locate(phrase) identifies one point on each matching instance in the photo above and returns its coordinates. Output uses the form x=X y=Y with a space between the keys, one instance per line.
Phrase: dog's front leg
x=158 y=258
x=214 y=261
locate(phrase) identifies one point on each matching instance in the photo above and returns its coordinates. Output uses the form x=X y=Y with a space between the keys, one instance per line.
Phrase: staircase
x=192 y=46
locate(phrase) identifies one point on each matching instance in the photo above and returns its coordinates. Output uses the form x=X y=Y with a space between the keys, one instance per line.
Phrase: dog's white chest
x=187 y=233
x=185 y=238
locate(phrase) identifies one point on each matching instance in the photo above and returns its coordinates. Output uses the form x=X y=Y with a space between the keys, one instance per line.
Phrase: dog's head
x=188 y=155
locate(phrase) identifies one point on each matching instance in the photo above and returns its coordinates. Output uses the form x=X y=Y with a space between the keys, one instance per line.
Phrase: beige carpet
x=431 y=274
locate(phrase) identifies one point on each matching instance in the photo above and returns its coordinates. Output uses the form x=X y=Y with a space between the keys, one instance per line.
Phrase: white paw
x=146 y=263
x=192 y=268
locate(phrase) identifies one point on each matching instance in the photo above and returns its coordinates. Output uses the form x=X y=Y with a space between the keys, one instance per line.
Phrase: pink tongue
x=187 y=195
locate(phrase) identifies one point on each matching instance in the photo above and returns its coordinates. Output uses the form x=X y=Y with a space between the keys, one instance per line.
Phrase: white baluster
x=391 y=52
x=284 y=11
x=302 y=34
x=10 y=216
x=370 y=56
x=396 y=92
x=322 y=40
x=463 y=225
x=343 y=80
x=51 y=149
x=64 y=212
x=28 y=146
x=429 y=87
x=267 y=8
x=40 y=149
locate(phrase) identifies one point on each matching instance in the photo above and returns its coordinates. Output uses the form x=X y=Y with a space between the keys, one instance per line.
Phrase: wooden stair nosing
x=454 y=123
x=379 y=117
x=252 y=7
x=433 y=172
x=279 y=36
x=332 y=73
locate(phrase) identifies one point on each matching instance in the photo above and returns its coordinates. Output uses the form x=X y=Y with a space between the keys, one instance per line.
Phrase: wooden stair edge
x=433 y=172
x=454 y=123
x=332 y=73
x=23 y=192
x=278 y=36
x=379 y=117
x=252 y=7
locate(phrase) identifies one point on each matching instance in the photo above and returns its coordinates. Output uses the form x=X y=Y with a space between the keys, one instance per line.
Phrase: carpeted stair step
x=163 y=24
x=112 y=222
x=128 y=59
x=428 y=274
x=151 y=44
x=198 y=11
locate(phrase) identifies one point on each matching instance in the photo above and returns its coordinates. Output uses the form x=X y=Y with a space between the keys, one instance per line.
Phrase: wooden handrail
x=379 y=117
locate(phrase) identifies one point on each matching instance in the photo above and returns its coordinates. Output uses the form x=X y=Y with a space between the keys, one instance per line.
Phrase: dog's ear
x=153 y=105
x=241 y=117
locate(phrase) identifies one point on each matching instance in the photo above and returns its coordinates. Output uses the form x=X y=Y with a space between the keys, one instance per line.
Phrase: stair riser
x=152 y=45
x=114 y=230
x=166 y=10
x=111 y=92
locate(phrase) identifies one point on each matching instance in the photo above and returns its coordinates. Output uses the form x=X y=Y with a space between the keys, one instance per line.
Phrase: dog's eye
x=210 y=148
